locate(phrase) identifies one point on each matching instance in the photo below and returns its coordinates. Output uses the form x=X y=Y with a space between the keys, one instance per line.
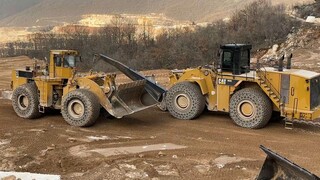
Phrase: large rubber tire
x=185 y=101
x=250 y=108
x=80 y=108
x=25 y=101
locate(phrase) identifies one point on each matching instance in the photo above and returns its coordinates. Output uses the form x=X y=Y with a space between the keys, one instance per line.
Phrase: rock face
x=36 y=12
x=302 y=43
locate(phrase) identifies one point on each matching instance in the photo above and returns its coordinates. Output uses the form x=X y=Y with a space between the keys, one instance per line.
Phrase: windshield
x=69 y=61
x=315 y=92
x=227 y=61
x=244 y=56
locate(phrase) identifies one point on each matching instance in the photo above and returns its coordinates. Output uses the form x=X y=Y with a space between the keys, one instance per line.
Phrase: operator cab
x=235 y=58
x=68 y=60
x=62 y=63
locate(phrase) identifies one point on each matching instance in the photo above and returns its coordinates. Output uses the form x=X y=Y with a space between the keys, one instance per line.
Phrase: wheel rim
x=76 y=108
x=182 y=101
x=23 y=102
x=246 y=110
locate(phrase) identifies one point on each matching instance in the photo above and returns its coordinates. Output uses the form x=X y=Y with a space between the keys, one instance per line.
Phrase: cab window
x=57 y=60
x=69 y=61
x=227 y=60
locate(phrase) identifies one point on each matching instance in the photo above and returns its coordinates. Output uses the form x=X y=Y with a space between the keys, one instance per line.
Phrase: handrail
x=263 y=77
x=259 y=71
x=295 y=105
x=232 y=75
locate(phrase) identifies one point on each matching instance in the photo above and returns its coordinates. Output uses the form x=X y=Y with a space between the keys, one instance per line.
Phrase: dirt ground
x=148 y=145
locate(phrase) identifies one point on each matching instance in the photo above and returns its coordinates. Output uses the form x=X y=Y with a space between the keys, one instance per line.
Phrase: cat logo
x=228 y=82
x=222 y=81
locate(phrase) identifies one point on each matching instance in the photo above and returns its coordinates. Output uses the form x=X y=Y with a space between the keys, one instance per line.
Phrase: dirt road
x=147 y=145
x=211 y=146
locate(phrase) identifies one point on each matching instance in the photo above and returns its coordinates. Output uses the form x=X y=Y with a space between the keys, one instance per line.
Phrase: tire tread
x=263 y=103
x=197 y=100
x=31 y=91
x=91 y=105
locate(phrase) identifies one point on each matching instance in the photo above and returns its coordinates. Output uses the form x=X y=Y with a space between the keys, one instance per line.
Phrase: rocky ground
x=147 y=145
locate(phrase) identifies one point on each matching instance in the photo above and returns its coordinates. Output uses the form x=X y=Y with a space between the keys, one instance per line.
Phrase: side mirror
x=95 y=58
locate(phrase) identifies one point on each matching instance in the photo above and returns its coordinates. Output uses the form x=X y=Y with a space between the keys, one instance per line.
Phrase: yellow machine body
x=227 y=87
x=51 y=80
x=59 y=66
x=78 y=96
x=293 y=84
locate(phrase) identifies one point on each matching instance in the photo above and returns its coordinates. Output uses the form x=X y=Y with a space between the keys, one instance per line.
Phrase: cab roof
x=64 y=51
x=236 y=46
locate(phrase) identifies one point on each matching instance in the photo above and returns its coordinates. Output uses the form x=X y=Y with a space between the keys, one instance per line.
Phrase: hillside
x=28 y=13
x=12 y=7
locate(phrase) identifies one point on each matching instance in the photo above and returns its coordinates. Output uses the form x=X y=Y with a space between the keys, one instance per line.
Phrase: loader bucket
x=277 y=167
x=130 y=98
x=152 y=88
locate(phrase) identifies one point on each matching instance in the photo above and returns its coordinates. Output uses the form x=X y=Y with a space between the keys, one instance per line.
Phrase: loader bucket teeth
x=277 y=167
x=131 y=98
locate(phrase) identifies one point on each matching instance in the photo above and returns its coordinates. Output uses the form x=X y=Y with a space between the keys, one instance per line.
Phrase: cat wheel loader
x=251 y=95
x=80 y=97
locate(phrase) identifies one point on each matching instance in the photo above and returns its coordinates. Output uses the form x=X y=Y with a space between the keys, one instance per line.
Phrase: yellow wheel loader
x=80 y=98
x=251 y=95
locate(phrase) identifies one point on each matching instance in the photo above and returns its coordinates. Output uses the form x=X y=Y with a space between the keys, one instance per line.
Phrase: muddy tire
x=250 y=108
x=80 y=108
x=185 y=101
x=25 y=101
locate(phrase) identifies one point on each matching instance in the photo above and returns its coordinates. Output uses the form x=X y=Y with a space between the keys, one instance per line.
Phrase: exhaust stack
x=289 y=61
x=280 y=66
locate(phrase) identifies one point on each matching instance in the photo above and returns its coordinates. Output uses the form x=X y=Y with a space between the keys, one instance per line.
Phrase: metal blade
x=153 y=89
x=277 y=167
x=131 y=98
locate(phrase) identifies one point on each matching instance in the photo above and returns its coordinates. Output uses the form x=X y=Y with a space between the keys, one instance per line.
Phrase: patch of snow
x=98 y=138
x=101 y=138
x=29 y=176
x=311 y=19
x=136 y=149
x=4 y=142
x=221 y=161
